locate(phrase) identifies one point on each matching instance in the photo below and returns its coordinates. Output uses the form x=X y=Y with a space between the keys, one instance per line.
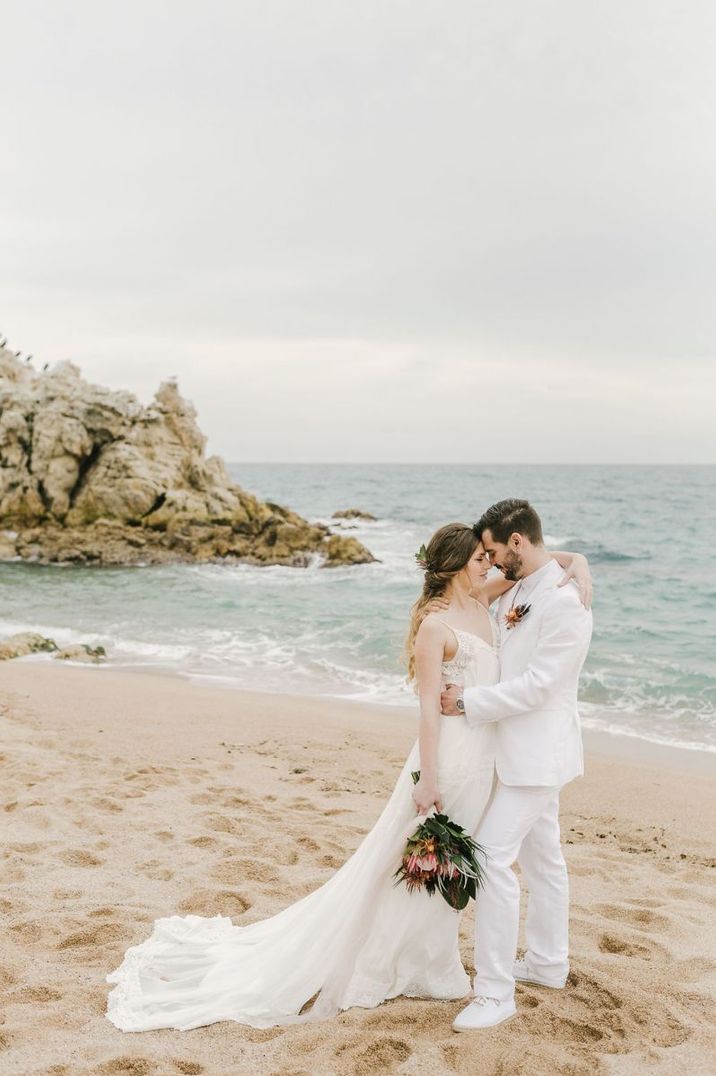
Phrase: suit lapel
x=547 y=581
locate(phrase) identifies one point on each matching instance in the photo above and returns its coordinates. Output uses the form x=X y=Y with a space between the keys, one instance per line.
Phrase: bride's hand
x=578 y=570
x=426 y=795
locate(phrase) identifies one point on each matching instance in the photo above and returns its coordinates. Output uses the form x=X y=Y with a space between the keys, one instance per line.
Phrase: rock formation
x=29 y=642
x=353 y=513
x=89 y=475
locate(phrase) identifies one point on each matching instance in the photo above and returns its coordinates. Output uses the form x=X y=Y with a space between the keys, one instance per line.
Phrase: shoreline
x=612 y=743
x=127 y=797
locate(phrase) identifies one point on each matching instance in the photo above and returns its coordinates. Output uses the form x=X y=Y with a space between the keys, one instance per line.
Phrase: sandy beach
x=128 y=796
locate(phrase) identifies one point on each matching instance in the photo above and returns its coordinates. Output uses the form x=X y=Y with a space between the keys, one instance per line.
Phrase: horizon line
x=454 y=463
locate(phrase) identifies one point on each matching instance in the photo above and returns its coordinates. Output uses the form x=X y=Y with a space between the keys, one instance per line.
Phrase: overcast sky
x=373 y=229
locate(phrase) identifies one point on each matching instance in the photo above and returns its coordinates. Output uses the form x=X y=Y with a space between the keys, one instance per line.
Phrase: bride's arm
x=495 y=588
x=575 y=567
x=429 y=650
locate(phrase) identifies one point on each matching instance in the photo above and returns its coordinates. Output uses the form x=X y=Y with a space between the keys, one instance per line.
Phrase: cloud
x=491 y=191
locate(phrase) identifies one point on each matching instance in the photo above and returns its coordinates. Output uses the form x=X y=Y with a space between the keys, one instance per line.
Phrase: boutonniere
x=516 y=614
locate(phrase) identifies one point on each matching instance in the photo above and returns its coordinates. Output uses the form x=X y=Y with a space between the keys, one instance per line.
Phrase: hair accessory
x=421 y=558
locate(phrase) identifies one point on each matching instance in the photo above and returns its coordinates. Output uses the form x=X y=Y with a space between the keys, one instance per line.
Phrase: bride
x=359 y=939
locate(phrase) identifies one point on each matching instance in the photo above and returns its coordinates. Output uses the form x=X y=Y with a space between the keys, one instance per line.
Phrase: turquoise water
x=648 y=532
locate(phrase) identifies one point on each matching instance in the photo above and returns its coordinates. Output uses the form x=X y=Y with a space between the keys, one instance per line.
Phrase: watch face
x=460 y=705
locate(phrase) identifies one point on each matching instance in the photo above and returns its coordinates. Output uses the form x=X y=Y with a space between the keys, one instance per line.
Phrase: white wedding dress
x=357 y=940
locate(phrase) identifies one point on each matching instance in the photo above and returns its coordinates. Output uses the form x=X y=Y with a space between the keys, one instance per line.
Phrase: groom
x=544 y=638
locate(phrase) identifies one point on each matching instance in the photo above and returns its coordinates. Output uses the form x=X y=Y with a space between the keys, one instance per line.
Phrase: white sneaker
x=524 y=974
x=484 y=1012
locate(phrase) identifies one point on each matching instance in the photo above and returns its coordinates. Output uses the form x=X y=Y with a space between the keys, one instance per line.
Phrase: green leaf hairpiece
x=421 y=557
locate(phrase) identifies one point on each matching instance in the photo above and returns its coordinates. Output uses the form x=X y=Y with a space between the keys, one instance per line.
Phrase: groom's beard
x=512 y=566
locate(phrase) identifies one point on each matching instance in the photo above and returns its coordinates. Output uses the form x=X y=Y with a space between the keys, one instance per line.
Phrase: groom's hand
x=448 y=700
x=437 y=605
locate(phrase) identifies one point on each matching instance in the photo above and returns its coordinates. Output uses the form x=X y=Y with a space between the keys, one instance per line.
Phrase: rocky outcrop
x=90 y=475
x=81 y=652
x=24 y=643
x=29 y=642
x=353 y=513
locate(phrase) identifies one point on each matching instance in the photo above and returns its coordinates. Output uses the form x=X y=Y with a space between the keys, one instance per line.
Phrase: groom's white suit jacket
x=539 y=740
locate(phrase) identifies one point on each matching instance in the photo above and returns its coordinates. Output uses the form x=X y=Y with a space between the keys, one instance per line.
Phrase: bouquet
x=441 y=857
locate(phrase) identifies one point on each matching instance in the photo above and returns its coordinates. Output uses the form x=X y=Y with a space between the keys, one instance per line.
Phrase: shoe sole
x=540 y=982
x=502 y=1020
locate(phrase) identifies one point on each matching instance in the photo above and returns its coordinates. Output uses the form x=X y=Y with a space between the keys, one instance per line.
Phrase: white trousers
x=521 y=824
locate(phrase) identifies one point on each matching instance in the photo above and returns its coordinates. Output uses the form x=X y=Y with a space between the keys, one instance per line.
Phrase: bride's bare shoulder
x=434 y=640
x=433 y=626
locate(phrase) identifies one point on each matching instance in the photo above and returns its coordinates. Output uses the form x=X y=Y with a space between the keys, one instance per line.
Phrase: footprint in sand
x=155 y=870
x=235 y=871
x=27 y=848
x=36 y=994
x=308 y=843
x=202 y=798
x=611 y=943
x=621 y=1020
x=221 y=824
x=128 y=1066
x=211 y=902
x=7 y=976
x=202 y=842
x=384 y=1054
x=32 y=930
x=100 y=934
x=695 y=970
x=38 y=819
x=237 y=801
x=586 y=990
x=637 y=917
x=12 y=872
x=77 y=857
x=578 y=1031
x=104 y=803
x=331 y=861
x=256 y=1034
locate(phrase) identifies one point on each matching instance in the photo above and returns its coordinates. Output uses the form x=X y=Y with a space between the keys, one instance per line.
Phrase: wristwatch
x=460 y=704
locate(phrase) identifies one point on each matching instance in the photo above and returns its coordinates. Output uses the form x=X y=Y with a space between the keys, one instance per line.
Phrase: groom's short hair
x=510 y=517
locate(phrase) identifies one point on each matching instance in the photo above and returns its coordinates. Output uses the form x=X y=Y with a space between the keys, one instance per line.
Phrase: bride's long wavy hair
x=448 y=551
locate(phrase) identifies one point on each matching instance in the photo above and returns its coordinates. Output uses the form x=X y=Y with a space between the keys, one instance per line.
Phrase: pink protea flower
x=440 y=857
x=428 y=862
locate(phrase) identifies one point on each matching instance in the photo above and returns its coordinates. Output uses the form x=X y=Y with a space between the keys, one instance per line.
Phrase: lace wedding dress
x=357 y=940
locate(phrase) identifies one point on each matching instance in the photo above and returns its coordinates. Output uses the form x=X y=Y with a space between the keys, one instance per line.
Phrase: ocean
x=648 y=533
